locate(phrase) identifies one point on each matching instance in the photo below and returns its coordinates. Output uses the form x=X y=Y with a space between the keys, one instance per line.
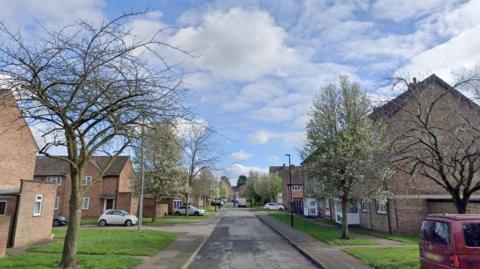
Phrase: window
x=436 y=232
x=381 y=206
x=86 y=180
x=295 y=187
x=85 y=202
x=364 y=206
x=471 y=232
x=312 y=203
x=57 y=202
x=55 y=180
x=327 y=207
x=3 y=207
x=37 y=209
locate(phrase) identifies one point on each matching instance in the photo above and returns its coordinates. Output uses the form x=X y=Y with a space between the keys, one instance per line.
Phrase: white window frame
x=57 y=202
x=5 y=210
x=86 y=180
x=83 y=203
x=364 y=206
x=56 y=180
x=381 y=206
x=38 y=199
x=327 y=207
x=295 y=187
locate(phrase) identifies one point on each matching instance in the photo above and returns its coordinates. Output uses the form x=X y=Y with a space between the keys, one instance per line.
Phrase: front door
x=108 y=204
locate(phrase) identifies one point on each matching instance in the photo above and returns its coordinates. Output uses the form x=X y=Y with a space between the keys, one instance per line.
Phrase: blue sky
x=256 y=65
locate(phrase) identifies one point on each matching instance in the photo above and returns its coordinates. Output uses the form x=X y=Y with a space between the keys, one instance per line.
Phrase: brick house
x=115 y=190
x=296 y=186
x=26 y=207
x=411 y=198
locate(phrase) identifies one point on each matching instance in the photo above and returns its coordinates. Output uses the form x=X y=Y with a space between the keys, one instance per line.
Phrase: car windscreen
x=471 y=233
x=436 y=232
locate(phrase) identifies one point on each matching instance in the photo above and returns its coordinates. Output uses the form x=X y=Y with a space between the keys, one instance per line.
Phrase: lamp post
x=290 y=189
x=142 y=175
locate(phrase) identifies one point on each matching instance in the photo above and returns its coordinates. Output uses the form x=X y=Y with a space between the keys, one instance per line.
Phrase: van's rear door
x=436 y=245
x=468 y=244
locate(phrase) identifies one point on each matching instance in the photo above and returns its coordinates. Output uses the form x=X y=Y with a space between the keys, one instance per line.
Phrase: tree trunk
x=154 y=216
x=345 y=234
x=69 y=254
x=461 y=205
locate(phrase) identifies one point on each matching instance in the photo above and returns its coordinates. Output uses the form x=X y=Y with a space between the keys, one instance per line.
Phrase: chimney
x=414 y=80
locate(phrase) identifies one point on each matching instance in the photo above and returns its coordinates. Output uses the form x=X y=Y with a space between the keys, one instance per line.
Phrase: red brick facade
x=115 y=190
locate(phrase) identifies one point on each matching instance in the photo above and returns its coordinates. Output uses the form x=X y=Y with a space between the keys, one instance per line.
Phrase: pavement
x=180 y=253
x=240 y=240
x=319 y=253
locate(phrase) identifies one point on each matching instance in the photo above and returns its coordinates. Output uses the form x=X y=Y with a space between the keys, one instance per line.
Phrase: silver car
x=117 y=217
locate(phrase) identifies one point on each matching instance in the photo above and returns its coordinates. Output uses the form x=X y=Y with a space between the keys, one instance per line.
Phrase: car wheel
x=196 y=213
x=56 y=223
x=177 y=213
x=102 y=222
x=128 y=222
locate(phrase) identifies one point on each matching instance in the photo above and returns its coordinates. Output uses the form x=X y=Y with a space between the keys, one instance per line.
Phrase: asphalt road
x=240 y=240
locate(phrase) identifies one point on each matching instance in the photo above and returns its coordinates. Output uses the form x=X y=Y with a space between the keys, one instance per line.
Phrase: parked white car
x=191 y=211
x=273 y=206
x=117 y=217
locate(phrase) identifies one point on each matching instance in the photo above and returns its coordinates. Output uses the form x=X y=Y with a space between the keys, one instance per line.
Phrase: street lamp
x=290 y=189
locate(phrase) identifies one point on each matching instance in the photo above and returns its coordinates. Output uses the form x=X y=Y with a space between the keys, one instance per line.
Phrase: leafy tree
x=204 y=186
x=242 y=180
x=224 y=189
x=90 y=89
x=345 y=148
x=164 y=174
x=266 y=187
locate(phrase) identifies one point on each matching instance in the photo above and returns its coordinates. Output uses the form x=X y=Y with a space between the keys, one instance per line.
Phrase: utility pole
x=142 y=174
x=290 y=189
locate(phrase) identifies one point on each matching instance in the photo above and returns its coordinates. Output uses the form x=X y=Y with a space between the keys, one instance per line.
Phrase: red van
x=450 y=241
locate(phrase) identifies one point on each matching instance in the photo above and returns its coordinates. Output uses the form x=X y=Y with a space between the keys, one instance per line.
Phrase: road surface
x=240 y=240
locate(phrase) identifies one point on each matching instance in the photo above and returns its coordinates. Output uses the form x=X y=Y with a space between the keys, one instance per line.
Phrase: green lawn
x=171 y=220
x=395 y=237
x=328 y=235
x=89 y=221
x=97 y=248
x=388 y=258
x=112 y=242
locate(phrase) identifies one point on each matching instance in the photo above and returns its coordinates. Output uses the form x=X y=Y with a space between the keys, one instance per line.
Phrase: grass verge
x=172 y=220
x=97 y=248
x=328 y=235
x=111 y=242
x=394 y=237
x=89 y=221
x=388 y=258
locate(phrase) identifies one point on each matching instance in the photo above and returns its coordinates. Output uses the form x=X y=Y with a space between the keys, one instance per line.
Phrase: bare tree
x=90 y=89
x=440 y=136
x=200 y=152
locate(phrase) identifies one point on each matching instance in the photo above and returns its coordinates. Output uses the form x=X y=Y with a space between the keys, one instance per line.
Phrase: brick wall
x=4 y=232
x=18 y=147
x=31 y=229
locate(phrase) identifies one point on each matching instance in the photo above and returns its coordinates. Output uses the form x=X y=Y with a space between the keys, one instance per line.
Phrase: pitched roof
x=283 y=172
x=47 y=166
x=393 y=106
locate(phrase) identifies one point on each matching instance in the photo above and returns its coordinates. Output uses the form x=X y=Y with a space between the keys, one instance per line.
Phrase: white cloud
x=240 y=156
x=406 y=9
x=238 y=44
x=458 y=52
x=22 y=13
x=259 y=137
x=288 y=139
x=235 y=170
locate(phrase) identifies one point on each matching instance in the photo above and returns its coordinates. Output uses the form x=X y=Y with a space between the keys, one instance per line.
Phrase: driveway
x=240 y=240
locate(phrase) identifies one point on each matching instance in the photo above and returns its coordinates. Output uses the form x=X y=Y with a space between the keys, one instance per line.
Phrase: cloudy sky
x=254 y=66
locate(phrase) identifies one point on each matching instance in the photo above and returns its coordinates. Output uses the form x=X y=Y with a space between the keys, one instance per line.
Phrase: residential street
x=240 y=240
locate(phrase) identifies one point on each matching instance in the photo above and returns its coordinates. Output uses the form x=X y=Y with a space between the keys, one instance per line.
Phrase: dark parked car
x=59 y=220
x=450 y=241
